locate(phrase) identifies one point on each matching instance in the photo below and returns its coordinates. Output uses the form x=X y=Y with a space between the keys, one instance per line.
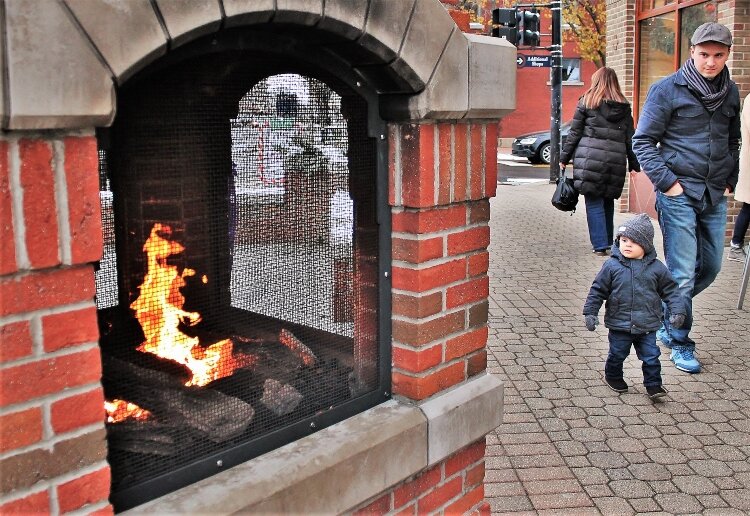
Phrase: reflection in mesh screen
x=291 y=216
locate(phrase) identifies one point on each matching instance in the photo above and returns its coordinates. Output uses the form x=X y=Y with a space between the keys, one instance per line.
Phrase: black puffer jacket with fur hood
x=599 y=142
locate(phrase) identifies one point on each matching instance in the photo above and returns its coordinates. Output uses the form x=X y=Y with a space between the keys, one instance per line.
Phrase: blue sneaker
x=663 y=337
x=684 y=360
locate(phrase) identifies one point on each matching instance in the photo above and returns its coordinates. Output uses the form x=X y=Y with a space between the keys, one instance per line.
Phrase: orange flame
x=158 y=309
x=120 y=410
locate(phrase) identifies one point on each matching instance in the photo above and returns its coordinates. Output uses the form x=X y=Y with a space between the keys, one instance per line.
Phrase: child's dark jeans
x=646 y=349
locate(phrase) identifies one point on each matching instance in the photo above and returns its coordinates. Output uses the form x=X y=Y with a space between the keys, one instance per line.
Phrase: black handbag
x=565 y=197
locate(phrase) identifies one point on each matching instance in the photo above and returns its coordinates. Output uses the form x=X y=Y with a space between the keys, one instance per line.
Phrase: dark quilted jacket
x=634 y=291
x=599 y=142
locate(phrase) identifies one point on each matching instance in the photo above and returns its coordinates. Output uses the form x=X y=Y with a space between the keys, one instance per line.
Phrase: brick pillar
x=52 y=437
x=442 y=176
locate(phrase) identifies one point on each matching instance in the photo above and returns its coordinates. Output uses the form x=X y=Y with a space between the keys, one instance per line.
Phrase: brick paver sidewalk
x=569 y=445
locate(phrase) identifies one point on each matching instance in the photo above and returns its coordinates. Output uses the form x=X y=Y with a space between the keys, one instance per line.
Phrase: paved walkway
x=569 y=445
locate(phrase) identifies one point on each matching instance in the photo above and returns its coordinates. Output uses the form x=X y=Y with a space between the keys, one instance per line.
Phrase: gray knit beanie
x=640 y=230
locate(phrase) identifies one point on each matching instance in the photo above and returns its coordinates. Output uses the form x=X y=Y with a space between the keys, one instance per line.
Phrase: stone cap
x=64 y=59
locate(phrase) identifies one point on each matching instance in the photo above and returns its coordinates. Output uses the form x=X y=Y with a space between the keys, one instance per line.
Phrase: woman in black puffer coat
x=599 y=142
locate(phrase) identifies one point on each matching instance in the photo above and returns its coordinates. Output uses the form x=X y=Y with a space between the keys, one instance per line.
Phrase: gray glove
x=591 y=322
x=677 y=320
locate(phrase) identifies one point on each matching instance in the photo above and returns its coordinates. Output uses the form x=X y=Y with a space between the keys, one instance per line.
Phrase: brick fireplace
x=422 y=447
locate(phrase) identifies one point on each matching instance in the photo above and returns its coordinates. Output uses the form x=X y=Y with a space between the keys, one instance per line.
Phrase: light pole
x=556 y=97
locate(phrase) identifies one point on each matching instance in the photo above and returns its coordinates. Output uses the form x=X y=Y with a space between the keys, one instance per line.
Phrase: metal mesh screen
x=292 y=218
x=237 y=295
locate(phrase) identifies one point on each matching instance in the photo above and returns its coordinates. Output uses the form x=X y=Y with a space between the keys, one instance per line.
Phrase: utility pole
x=556 y=97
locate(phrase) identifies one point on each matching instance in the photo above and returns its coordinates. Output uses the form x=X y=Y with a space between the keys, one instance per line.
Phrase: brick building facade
x=628 y=24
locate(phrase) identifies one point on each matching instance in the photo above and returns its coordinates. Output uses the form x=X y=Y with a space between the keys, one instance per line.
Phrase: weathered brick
x=476 y=150
x=39 y=206
x=476 y=363
x=46 y=289
x=416 y=306
x=417 y=250
x=26 y=469
x=417 y=360
x=15 y=341
x=77 y=411
x=7 y=244
x=444 y=163
x=418 y=165
x=474 y=476
x=471 y=239
x=421 y=387
x=70 y=328
x=429 y=221
x=467 y=502
x=380 y=506
x=33 y=504
x=478 y=264
x=85 y=490
x=469 y=292
x=428 y=278
x=439 y=496
x=479 y=211
x=490 y=174
x=466 y=343
x=421 y=333
x=50 y=375
x=460 y=161
x=19 y=429
x=412 y=489
x=479 y=314
x=464 y=458
x=84 y=207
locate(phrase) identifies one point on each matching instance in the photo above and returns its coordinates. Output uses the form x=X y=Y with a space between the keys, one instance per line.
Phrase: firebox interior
x=238 y=296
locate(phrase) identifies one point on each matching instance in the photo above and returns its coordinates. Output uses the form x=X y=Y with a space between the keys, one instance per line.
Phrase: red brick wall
x=455 y=486
x=52 y=439
x=441 y=177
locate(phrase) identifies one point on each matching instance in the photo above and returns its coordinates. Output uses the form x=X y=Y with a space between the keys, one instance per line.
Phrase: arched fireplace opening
x=241 y=295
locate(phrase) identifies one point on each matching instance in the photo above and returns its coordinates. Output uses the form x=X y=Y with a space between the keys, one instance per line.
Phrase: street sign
x=538 y=61
x=520 y=60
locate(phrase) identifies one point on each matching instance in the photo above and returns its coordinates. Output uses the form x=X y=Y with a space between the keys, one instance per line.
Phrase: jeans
x=646 y=349
x=693 y=232
x=600 y=215
x=740 y=225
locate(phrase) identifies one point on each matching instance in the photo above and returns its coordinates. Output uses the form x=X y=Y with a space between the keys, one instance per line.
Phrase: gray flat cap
x=712 y=31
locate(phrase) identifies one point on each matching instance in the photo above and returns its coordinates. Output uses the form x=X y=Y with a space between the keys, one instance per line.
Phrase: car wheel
x=544 y=153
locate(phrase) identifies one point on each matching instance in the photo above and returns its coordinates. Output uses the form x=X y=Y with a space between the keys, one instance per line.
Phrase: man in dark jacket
x=634 y=284
x=693 y=116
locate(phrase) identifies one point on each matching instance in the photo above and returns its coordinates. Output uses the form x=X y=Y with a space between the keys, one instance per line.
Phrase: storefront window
x=657 y=51
x=653 y=4
x=690 y=18
x=661 y=52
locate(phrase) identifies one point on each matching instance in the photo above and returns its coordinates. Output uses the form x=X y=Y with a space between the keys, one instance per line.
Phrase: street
x=513 y=170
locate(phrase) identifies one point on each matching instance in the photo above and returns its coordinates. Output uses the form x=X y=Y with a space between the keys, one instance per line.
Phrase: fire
x=120 y=410
x=159 y=310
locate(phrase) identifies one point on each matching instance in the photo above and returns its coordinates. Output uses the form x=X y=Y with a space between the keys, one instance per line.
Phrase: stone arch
x=66 y=58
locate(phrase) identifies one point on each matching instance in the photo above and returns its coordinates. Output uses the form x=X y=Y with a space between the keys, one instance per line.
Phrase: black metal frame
x=296 y=55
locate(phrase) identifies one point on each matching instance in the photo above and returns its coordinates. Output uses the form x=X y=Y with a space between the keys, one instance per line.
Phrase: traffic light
x=504 y=24
x=529 y=33
x=520 y=28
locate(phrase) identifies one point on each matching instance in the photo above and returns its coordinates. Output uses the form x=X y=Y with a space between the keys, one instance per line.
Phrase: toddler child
x=634 y=284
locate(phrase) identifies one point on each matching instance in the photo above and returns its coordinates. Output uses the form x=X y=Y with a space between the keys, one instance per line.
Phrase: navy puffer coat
x=633 y=290
x=599 y=142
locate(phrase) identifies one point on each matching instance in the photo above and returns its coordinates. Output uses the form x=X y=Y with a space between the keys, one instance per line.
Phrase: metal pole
x=556 y=97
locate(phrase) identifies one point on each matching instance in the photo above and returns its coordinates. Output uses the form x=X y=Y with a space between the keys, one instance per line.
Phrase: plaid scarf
x=711 y=93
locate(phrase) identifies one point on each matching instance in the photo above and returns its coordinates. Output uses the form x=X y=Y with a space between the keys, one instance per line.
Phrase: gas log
x=207 y=413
